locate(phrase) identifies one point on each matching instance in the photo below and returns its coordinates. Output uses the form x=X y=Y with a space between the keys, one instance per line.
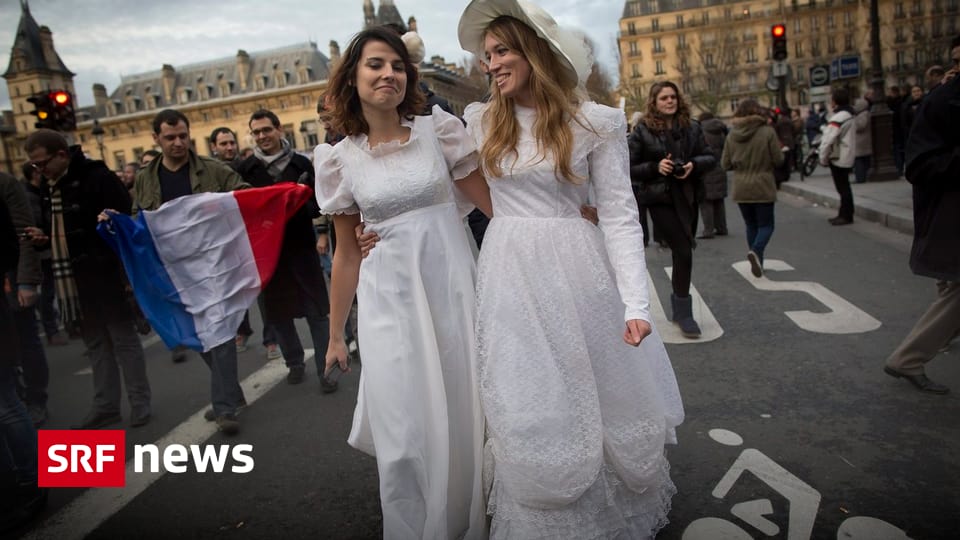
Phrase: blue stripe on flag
x=152 y=286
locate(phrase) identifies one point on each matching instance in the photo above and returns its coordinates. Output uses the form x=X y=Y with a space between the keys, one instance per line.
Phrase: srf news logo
x=95 y=458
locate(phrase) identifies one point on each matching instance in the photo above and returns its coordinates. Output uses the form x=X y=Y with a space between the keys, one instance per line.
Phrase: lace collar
x=361 y=141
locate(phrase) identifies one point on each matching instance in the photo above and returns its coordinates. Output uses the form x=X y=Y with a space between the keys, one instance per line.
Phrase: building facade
x=221 y=92
x=720 y=52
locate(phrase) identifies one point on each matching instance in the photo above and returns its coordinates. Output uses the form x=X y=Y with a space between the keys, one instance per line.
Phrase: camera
x=678 y=165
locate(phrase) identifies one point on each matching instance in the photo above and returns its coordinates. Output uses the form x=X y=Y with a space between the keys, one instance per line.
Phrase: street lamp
x=97 y=132
x=881 y=117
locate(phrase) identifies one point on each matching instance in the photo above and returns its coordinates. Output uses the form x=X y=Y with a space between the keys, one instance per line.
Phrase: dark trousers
x=115 y=352
x=714 y=216
x=861 y=166
x=758 y=218
x=841 y=181
x=269 y=332
x=33 y=359
x=225 y=392
x=672 y=230
x=48 y=311
x=18 y=438
x=289 y=340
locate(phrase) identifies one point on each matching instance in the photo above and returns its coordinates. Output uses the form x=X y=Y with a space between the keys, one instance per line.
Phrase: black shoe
x=722 y=233
x=296 y=375
x=140 y=417
x=327 y=386
x=97 y=420
x=705 y=236
x=755 y=267
x=840 y=221
x=178 y=355
x=38 y=414
x=683 y=316
x=228 y=424
x=921 y=381
x=210 y=416
x=27 y=502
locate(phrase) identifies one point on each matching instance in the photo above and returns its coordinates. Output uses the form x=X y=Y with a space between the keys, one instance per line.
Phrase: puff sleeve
x=617 y=209
x=458 y=148
x=333 y=190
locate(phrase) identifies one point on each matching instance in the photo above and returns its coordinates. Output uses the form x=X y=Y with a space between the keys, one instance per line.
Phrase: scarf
x=64 y=283
x=275 y=163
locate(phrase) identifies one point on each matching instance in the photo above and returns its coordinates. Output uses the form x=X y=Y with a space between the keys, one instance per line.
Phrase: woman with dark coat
x=714 y=181
x=753 y=152
x=668 y=156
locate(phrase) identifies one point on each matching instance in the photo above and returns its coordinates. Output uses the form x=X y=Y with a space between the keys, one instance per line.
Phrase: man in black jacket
x=933 y=167
x=89 y=277
x=297 y=288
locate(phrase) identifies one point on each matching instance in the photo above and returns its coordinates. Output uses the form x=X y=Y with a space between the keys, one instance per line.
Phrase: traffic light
x=43 y=110
x=54 y=110
x=779 y=34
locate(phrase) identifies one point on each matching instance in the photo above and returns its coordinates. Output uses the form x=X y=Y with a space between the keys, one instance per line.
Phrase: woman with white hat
x=578 y=391
x=418 y=410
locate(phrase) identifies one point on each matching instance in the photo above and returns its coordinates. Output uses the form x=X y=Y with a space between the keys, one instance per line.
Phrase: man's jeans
x=18 y=438
x=33 y=359
x=225 y=392
x=290 y=344
x=115 y=350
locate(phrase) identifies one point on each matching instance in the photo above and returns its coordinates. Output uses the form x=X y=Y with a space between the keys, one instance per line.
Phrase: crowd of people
x=522 y=393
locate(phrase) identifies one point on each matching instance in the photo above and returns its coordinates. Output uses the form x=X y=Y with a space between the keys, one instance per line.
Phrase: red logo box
x=81 y=458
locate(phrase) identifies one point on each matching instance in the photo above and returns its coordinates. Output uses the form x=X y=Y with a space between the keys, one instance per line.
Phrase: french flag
x=199 y=261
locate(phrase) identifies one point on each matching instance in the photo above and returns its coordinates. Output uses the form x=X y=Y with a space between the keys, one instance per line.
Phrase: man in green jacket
x=178 y=171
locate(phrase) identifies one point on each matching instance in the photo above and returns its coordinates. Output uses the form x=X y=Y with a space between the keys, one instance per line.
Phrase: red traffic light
x=60 y=97
x=778 y=30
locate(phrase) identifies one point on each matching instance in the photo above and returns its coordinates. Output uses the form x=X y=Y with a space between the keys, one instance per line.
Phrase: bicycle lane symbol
x=804 y=503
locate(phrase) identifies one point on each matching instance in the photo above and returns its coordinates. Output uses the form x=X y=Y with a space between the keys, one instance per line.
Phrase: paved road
x=798 y=401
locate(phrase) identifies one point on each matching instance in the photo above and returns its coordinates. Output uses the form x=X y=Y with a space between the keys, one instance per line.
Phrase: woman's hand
x=665 y=168
x=366 y=240
x=336 y=354
x=687 y=169
x=589 y=213
x=636 y=331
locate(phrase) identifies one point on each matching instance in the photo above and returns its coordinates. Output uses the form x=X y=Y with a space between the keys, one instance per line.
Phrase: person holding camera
x=753 y=152
x=668 y=156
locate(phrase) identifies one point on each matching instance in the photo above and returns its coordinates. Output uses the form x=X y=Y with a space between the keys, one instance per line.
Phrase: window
x=635 y=70
x=686 y=86
x=752 y=79
x=633 y=49
x=848 y=18
x=814 y=24
x=657 y=45
x=119 y=160
x=830 y=22
x=705 y=17
x=799 y=73
x=752 y=55
x=898 y=10
x=682 y=41
x=632 y=29
x=660 y=70
x=137 y=154
x=227 y=114
x=798 y=49
x=797 y=26
x=917 y=8
x=831 y=45
x=815 y=48
x=679 y=21
x=288 y=134
x=734 y=103
x=901 y=59
x=900 y=35
x=655 y=25
x=848 y=43
x=727 y=14
x=709 y=60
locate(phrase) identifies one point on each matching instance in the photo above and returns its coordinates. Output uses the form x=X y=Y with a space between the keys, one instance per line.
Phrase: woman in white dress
x=417 y=410
x=576 y=386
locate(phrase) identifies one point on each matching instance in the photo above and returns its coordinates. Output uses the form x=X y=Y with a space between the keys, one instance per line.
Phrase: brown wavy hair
x=750 y=107
x=343 y=111
x=654 y=120
x=556 y=103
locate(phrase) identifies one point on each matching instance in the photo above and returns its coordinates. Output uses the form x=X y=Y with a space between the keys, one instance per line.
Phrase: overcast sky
x=100 y=40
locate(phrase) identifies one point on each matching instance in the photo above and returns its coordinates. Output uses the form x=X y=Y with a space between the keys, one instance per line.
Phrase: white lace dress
x=576 y=419
x=417 y=411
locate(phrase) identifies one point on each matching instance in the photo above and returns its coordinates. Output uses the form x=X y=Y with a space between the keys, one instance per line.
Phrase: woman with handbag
x=753 y=153
x=668 y=156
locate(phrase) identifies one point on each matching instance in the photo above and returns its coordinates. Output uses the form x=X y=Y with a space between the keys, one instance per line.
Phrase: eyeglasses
x=263 y=131
x=40 y=165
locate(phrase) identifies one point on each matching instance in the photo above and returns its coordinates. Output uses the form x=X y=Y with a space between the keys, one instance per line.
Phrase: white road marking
x=752 y=513
x=670 y=333
x=725 y=437
x=842 y=317
x=88 y=511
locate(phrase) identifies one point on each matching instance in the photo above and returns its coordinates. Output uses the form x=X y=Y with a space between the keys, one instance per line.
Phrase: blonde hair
x=556 y=103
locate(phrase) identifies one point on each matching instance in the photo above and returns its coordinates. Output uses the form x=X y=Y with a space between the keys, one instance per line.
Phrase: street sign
x=845 y=67
x=778 y=69
x=820 y=75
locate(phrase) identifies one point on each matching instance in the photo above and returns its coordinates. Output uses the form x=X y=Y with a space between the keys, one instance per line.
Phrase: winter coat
x=9 y=255
x=752 y=152
x=908 y=111
x=86 y=189
x=299 y=275
x=933 y=167
x=207 y=175
x=715 y=180
x=812 y=125
x=18 y=204
x=646 y=151
x=838 y=145
x=862 y=123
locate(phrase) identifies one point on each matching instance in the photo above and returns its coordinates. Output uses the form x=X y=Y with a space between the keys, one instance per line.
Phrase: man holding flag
x=178 y=171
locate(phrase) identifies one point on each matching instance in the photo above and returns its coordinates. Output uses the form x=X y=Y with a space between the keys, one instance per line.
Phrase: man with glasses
x=88 y=276
x=176 y=172
x=297 y=288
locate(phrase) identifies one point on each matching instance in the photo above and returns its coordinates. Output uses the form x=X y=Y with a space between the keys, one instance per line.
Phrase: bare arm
x=343 y=285
x=474 y=187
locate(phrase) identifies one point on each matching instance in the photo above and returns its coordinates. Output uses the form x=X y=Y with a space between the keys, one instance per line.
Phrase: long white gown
x=418 y=410
x=576 y=419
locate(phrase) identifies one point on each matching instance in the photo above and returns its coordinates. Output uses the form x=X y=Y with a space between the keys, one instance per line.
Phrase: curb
x=887 y=215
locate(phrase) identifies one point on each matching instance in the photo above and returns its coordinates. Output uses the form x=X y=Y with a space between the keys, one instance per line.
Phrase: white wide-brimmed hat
x=569 y=46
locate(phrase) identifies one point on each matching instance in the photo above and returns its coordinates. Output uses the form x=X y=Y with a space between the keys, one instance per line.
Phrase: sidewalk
x=889 y=203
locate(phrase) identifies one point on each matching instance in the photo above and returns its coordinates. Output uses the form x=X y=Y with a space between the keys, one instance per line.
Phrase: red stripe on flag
x=265 y=212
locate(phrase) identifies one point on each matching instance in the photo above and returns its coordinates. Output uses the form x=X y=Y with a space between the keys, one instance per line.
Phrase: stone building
x=719 y=52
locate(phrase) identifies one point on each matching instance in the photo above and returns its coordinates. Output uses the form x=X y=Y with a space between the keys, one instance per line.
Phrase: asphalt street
x=792 y=429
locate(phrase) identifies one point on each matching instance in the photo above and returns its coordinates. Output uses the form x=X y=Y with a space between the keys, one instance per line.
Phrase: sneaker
x=210 y=416
x=242 y=343
x=57 y=340
x=840 y=221
x=228 y=424
x=38 y=414
x=273 y=352
x=755 y=267
x=296 y=374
